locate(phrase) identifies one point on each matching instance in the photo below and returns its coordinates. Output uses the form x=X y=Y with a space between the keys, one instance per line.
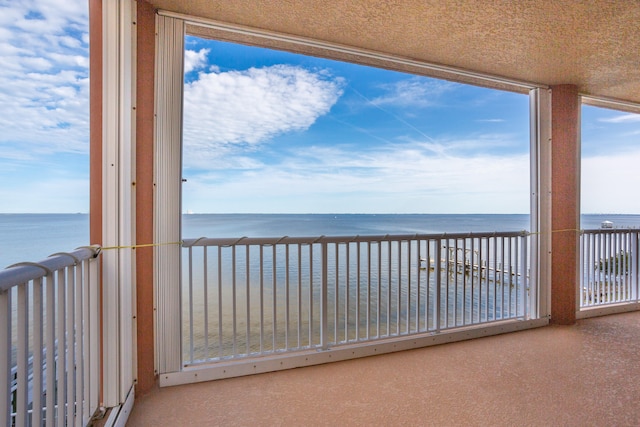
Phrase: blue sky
x=268 y=131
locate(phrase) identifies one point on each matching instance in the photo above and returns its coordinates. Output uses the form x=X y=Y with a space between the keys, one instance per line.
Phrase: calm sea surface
x=32 y=237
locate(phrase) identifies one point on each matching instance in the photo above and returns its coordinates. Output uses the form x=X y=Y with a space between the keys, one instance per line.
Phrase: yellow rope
x=147 y=245
x=566 y=230
x=142 y=245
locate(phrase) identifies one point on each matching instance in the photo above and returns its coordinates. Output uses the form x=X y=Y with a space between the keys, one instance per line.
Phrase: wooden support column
x=95 y=122
x=565 y=202
x=95 y=132
x=146 y=375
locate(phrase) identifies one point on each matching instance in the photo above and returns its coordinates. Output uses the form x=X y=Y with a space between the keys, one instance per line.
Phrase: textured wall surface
x=591 y=44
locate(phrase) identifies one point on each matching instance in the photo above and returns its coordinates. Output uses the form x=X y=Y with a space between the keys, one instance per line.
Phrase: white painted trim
x=626 y=307
x=119 y=415
x=292 y=360
x=127 y=204
x=455 y=74
x=110 y=212
x=168 y=135
x=118 y=198
x=167 y=185
x=610 y=103
x=540 y=131
x=578 y=262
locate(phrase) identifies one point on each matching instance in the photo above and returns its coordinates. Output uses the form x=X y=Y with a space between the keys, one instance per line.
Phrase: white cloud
x=194 y=60
x=44 y=102
x=623 y=118
x=224 y=110
x=413 y=92
x=398 y=178
x=44 y=105
x=610 y=183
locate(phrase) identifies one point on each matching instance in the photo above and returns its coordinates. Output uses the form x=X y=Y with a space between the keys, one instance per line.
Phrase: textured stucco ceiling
x=593 y=44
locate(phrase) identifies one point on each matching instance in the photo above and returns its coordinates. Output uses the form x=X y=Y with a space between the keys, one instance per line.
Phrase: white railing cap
x=23 y=272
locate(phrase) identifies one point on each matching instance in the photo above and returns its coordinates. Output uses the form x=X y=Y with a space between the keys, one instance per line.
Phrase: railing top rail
x=233 y=241
x=611 y=231
x=23 y=272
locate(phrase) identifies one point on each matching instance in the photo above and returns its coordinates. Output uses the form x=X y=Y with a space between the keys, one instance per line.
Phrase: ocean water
x=33 y=237
x=375 y=290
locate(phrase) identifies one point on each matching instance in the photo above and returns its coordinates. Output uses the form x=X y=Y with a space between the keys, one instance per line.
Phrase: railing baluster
x=635 y=265
x=608 y=268
x=399 y=287
x=79 y=322
x=585 y=251
x=585 y=276
x=248 y=296
x=594 y=286
x=465 y=267
x=94 y=333
x=299 y=295
x=5 y=357
x=524 y=285
x=427 y=298
x=613 y=265
x=233 y=300
x=274 y=284
x=438 y=274
x=324 y=298
x=494 y=241
x=594 y=268
x=472 y=262
x=625 y=267
x=336 y=309
x=61 y=355
x=408 y=320
x=346 y=292
x=454 y=267
x=311 y=295
x=358 y=291
x=596 y=273
x=620 y=282
x=502 y=266
x=286 y=291
x=480 y=261
x=190 y=284
x=36 y=419
x=368 y=290
x=379 y=299
x=220 y=346
x=22 y=354
x=418 y=285
x=261 y=299
x=513 y=267
x=447 y=272
x=205 y=290
x=70 y=342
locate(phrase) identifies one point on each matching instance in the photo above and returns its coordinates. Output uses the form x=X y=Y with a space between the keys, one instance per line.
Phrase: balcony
x=251 y=297
x=370 y=295
x=556 y=375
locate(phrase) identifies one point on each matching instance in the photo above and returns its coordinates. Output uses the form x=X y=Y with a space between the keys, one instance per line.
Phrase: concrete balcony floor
x=582 y=375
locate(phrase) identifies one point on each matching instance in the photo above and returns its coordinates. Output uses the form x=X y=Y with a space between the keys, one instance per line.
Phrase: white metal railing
x=49 y=340
x=609 y=267
x=261 y=296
